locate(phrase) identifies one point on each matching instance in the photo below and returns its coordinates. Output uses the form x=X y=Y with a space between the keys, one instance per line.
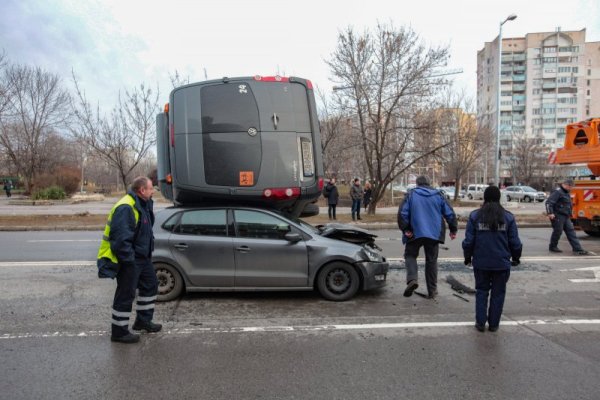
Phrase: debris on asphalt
x=458 y=286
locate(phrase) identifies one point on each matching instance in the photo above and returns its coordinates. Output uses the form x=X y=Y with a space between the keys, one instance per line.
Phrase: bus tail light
x=172 y=134
x=281 y=193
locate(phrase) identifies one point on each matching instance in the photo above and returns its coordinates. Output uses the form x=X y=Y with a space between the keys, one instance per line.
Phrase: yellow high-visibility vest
x=105 y=251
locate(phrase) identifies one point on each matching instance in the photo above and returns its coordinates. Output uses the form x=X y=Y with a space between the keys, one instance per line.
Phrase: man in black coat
x=559 y=209
x=330 y=191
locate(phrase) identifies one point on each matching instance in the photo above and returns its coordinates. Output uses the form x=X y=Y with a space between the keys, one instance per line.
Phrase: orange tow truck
x=582 y=146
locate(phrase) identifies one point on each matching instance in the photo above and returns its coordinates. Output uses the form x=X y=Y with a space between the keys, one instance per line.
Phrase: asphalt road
x=83 y=245
x=54 y=340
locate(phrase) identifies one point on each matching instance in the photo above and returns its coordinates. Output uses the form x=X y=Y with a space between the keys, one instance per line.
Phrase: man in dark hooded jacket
x=421 y=218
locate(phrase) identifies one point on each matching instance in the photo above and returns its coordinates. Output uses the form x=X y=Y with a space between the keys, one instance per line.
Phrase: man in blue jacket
x=126 y=253
x=421 y=218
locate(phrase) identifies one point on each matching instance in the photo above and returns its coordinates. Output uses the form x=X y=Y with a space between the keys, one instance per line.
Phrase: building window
x=589 y=72
x=588 y=92
x=575 y=70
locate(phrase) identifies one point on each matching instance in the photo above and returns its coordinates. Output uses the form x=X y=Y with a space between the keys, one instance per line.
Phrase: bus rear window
x=228 y=108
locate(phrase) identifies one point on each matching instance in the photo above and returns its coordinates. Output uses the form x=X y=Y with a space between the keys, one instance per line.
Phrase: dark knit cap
x=569 y=182
x=491 y=194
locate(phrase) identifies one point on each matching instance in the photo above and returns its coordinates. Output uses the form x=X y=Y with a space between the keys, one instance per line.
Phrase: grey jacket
x=356 y=192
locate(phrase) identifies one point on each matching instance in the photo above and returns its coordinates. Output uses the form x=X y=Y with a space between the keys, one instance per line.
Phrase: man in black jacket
x=126 y=254
x=331 y=193
x=559 y=209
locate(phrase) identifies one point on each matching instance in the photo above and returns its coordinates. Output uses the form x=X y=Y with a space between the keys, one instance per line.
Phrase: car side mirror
x=293 y=237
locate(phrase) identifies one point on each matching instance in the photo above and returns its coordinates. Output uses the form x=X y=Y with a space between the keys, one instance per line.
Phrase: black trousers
x=411 y=252
x=331 y=211
x=139 y=276
x=486 y=281
x=562 y=223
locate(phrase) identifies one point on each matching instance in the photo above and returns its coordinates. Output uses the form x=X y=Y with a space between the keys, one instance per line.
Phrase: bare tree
x=388 y=77
x=528 y=158
x=125 y=137
x=339 y=142
x=33 y=108
x=178 y=80
x=467 y=139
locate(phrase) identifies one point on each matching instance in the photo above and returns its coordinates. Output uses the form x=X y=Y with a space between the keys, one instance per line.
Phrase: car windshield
x=528 y=189
x=297 y=221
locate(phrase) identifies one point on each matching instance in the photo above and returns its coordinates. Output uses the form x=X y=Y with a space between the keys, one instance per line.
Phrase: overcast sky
x=117 y=44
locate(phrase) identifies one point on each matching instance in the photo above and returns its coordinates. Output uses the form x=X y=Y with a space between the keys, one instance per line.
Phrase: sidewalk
x=528 y=215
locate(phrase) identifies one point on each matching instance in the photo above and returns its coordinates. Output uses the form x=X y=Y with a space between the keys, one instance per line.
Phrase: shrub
x=68 y=178
x=50 y=193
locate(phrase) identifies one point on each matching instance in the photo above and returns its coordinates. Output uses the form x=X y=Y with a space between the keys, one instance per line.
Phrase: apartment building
x=547 y=79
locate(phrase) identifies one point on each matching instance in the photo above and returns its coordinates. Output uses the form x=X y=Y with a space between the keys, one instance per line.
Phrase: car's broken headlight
x=372 y=255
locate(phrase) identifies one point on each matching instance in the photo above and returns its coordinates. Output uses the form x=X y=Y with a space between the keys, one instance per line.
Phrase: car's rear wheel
x=338 y=281
x=170 y=282
x=527 y=199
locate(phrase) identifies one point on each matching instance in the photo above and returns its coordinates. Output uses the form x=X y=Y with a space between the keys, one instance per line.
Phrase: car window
x=258 y=225
x=529 y=189
x=203 y=222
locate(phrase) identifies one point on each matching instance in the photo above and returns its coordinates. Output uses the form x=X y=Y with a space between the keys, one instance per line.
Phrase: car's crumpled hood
x=348 y=233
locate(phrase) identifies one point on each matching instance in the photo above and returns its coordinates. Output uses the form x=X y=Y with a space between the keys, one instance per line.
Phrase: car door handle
x=243 y=249
x=180 y=246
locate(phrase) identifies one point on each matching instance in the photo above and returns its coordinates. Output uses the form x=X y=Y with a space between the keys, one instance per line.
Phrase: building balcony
x=549 y=85
x=518 y=107
x=519 y=68
x=519 y=78
x=518 y=87
x=519 y=57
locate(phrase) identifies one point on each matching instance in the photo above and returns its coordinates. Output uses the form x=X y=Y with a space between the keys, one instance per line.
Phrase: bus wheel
x=593 y=233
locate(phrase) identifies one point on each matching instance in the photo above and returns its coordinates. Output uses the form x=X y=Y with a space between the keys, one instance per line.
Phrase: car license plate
x=380 y=277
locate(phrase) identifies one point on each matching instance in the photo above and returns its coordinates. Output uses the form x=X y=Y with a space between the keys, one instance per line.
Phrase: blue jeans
x=562 y=223
x=355 y=208
x=486 y=281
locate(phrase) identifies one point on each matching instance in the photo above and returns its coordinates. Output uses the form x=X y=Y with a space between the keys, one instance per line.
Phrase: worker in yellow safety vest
x=126 y=254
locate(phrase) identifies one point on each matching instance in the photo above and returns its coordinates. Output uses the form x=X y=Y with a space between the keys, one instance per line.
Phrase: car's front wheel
x=507 y=198
x=170 y=282
x=338 y=281
x=470 y=196
x=527 y=199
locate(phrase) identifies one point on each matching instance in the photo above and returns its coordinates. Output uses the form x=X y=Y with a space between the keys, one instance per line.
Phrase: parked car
x=448 y=192
x=524 y=193
x=475 y=192
x=252 y=249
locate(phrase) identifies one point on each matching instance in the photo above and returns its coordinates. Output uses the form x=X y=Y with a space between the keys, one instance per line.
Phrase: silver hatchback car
x=252 y=249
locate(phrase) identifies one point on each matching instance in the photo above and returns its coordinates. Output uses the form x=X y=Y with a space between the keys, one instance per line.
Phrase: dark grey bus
x=249 y=140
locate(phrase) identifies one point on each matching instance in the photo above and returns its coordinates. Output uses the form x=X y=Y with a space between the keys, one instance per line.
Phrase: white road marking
x=309 y=328
x=63 y=240
x=47 y=263
x=523 y=259
x=595 y=270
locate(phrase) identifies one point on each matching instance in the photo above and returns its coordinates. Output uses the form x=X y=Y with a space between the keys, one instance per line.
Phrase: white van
x=475 y=192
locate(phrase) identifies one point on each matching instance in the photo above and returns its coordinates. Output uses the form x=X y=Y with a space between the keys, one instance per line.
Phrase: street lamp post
x=511 y=17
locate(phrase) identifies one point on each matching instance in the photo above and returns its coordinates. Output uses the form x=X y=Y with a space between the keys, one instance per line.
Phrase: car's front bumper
x=374 y=274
